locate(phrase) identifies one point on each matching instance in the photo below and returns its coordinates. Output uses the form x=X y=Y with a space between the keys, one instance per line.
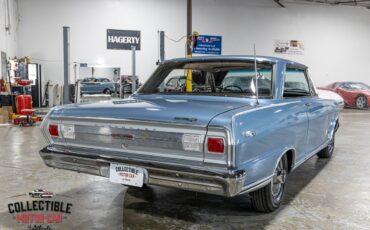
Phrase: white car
x=325 y=94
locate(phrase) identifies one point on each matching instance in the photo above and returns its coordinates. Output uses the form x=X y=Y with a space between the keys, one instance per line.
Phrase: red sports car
x=355 y=94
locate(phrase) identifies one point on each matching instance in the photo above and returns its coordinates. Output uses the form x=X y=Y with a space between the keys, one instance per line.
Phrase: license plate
x=126 y=174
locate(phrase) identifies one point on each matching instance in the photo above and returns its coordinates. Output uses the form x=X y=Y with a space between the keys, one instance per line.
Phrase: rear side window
x=296 y=84
x=172 y=82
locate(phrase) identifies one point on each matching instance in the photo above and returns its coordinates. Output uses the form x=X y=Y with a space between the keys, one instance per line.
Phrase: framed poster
x=289 y=47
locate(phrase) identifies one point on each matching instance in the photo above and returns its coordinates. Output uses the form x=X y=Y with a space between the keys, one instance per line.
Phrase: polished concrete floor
x=321 y=194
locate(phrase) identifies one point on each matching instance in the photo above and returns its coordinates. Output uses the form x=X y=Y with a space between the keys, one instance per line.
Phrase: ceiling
x=363 y=3
x=286 y=3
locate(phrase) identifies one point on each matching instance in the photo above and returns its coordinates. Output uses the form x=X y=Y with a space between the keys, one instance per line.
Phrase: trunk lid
x=146 y=127
x=195 y=110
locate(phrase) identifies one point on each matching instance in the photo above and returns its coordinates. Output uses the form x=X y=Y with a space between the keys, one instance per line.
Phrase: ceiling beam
x=363 y=3
x=354 y=2
x=279 y=3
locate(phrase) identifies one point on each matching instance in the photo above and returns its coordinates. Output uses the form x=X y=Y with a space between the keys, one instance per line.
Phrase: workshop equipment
x=24 y=115
x=24 y=73
x=34 y=74
x=55 y=92
x=2 y=85
x=22 y=82
x=4 y=116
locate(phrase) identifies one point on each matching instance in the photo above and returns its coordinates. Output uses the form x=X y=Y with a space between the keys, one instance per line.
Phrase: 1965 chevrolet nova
x=226 y=139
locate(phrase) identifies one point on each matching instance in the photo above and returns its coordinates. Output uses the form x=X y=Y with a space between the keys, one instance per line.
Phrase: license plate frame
x=126 y=174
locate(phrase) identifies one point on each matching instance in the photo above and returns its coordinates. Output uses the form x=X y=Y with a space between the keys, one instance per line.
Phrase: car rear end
x=159 y=137
x=132 y=152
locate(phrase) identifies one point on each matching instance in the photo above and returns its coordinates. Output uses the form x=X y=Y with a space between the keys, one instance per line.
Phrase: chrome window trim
x=310 y=85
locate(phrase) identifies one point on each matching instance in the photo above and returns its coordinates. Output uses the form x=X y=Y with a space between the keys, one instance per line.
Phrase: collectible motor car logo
x=40 y=193
x=39 y=209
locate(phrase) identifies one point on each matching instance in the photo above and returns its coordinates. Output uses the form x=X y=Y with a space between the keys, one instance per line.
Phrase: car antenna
x=255 y=72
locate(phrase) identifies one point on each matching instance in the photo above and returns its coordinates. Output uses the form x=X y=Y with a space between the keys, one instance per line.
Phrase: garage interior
x=320 y=194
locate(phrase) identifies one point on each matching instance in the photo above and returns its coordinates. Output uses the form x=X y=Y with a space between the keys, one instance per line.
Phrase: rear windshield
x=211 y=78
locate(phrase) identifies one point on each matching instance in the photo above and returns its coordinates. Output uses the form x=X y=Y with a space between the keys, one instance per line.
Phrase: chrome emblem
x=249 y=133
x=123 y=136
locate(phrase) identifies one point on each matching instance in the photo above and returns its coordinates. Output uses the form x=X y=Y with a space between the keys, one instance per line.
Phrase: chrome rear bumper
x=218 y=183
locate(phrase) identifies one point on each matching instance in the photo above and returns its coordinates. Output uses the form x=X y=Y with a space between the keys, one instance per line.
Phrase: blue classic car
x=96 y=86
x=227 y=139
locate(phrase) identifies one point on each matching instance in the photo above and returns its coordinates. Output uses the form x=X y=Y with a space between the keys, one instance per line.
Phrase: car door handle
x=307 y=104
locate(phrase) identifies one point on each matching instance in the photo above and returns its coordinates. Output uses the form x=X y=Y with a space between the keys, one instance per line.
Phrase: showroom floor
x=321 y=194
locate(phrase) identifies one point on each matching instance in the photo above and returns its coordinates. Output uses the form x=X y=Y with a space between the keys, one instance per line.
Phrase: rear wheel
x=361 y=102
x=269 y=198
x=107 y=91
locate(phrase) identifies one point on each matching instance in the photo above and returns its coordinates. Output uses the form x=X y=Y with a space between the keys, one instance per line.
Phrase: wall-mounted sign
x=123 y=39
x=289 y=47
x=207 y=44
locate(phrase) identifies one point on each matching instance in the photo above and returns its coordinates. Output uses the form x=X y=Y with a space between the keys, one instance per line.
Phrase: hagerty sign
x=123 y=39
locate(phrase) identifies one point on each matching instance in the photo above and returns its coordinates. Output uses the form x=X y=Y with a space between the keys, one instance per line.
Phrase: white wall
x=8 y=40
x=42 y=21
x=336 y=38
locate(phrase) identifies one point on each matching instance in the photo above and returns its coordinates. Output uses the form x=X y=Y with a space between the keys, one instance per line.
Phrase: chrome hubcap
x=278 y=181
x=360 y=102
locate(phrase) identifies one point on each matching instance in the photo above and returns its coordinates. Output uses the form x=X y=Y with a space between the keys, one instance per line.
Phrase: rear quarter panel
x=278 y=128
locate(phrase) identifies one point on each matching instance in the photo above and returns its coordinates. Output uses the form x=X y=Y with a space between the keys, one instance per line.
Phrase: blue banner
x=207 y=44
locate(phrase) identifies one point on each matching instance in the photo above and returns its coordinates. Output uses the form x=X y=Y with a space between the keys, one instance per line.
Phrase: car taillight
x=53 y=130
x=216 y=144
